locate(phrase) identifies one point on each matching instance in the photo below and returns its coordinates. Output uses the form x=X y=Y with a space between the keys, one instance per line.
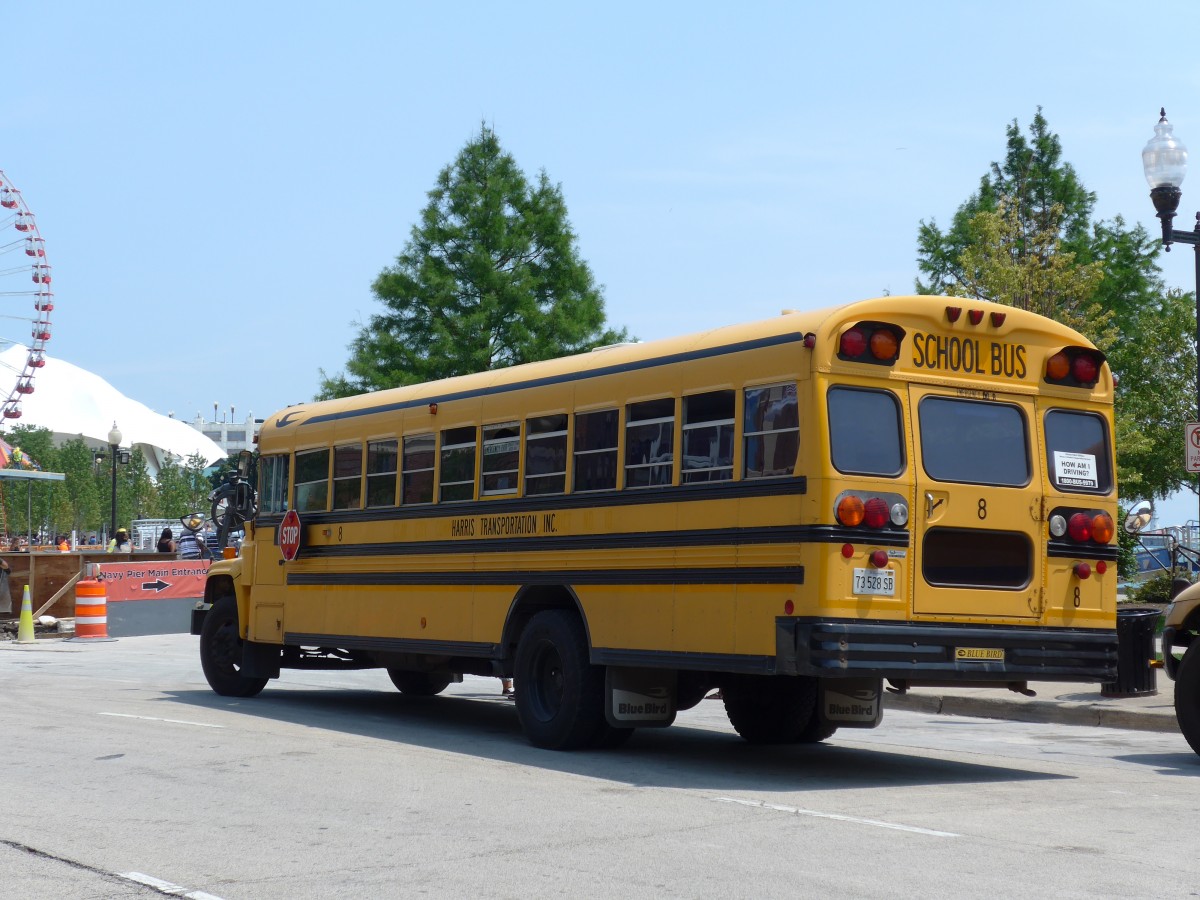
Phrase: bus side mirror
x=245 y=458
x=1138 y=518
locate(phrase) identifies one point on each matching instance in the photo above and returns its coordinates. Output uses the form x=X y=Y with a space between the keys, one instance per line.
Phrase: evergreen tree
x=1027 y=238
x=490 y=277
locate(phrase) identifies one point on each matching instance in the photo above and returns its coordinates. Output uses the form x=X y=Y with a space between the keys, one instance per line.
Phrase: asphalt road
x=124 y=776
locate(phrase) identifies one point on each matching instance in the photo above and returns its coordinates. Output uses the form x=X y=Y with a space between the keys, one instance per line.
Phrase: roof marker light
x=998 y=319
x=810 y=340
x=975 y=315
x=953 y=312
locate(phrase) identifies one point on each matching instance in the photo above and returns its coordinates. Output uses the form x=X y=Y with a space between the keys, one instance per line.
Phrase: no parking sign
x=1192 y=446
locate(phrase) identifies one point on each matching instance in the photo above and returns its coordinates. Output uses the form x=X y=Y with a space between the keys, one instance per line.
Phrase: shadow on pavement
x=682 y=756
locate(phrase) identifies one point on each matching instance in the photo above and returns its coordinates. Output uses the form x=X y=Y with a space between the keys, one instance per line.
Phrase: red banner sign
x=170 y=580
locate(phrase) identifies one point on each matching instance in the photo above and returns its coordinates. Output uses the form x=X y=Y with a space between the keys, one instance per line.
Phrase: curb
x=1040 y=711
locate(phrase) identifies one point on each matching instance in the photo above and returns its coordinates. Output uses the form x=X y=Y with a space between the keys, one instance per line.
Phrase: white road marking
x=166 y=887
x=154 y=719
x=794 y=810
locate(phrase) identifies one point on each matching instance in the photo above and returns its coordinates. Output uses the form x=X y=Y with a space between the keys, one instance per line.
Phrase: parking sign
x=1192 y=450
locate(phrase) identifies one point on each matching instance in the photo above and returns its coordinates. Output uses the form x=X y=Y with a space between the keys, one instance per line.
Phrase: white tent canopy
x=74 y=403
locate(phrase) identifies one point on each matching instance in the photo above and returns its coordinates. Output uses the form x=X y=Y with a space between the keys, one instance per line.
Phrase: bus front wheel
x=1187 y=695
x=560 y=694
x=418 y=684
x=772 y=709
x=221 y=652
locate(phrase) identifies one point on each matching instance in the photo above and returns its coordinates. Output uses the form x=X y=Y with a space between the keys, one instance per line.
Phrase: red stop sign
x=289 y=535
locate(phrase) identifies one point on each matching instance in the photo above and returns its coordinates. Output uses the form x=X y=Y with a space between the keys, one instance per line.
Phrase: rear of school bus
x=970 y=481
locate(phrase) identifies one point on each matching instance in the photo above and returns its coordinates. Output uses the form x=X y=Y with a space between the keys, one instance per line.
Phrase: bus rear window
x=865 y=434
x=974 y=441
x=1077 y=456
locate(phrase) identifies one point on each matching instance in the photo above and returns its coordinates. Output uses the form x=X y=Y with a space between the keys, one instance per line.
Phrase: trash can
x=1135 y=649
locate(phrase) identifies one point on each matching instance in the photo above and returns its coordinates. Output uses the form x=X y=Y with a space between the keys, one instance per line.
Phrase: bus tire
x=560 y=694
x=221 y=652
x=1187 y=695
x=770 y=709
x=418 y=684
x=816 y=730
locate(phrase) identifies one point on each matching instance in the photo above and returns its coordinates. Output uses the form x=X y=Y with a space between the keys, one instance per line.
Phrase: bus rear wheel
x=1187 y=695
x=766 y=709
x=560 y=694
x=221 y=652
x=418 y=684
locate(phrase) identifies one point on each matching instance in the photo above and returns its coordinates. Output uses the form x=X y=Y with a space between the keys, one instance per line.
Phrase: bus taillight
x=856 y=508
x=1083 y=526
x=1074 y=367
x=850 y=511
x=877 y=343
x=876 y=513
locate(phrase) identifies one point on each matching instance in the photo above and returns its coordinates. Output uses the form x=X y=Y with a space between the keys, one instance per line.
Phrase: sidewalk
x=1065 y=704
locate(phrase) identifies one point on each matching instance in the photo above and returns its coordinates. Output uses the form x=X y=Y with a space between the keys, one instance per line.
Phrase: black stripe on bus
x=1061 y=549
x=683 y=575
x=565 y=378
x=706 y=537
x=726 y=490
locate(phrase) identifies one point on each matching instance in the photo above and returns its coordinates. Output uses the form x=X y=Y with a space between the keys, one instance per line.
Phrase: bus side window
x=546 y=455
x=596 y=451
x=347 y=476
x=382 y=459
x=708 y=437
x=312 y=480
x=418 y=469
x=771 y=430
x=649 y=442
x=457 y=477
x=273 y=485
x=500 y=466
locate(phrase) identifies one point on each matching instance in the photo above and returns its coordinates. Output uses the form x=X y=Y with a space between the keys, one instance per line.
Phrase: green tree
x=81 y=503
x=490 y=277
x=1027 y=238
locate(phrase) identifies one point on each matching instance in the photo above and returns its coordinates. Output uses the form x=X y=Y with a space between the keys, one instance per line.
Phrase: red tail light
x=876 y=513
x=1079 y=527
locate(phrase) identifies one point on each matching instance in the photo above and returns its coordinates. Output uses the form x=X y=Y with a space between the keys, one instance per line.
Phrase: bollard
x=1135 y=649
x=91 y=611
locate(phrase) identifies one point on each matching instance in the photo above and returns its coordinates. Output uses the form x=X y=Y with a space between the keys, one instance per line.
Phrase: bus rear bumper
x=926 y=652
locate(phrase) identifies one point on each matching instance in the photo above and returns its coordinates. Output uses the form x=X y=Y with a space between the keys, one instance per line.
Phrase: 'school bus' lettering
x=769 y=509
x=969 y=356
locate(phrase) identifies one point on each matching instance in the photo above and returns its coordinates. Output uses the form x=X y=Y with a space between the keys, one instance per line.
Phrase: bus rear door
x=976 y=538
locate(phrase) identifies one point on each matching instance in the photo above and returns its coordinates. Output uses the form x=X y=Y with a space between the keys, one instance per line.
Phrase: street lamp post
x=1164 y=160
x=114 y=442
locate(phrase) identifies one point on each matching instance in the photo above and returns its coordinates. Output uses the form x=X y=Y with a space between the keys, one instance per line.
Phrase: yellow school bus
x=916 y=489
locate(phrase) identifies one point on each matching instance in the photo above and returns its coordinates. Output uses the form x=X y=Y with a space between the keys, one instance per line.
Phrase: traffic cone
x=25 y=628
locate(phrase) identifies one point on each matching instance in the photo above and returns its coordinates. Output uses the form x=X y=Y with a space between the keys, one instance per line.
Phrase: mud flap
x=639 y=698
x=851 y=702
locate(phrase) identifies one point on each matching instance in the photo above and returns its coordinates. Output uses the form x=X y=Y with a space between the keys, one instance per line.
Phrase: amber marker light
x=851 y=511
x=1102 y=528
x=884 y=344
x=1057 y=367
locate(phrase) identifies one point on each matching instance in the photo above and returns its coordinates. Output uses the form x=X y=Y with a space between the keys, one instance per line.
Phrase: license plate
x=875 y=581
x=978 y=654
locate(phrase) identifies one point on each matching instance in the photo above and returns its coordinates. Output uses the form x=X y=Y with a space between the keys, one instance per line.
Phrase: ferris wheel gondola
x=24 y=273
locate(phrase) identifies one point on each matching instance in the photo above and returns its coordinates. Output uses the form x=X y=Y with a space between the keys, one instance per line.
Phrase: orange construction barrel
x=91 y=610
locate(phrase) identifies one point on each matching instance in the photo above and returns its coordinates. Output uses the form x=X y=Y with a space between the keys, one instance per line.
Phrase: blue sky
x=197 y=168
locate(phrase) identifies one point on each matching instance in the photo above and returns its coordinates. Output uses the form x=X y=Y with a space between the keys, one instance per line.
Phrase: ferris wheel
x=24 y=273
